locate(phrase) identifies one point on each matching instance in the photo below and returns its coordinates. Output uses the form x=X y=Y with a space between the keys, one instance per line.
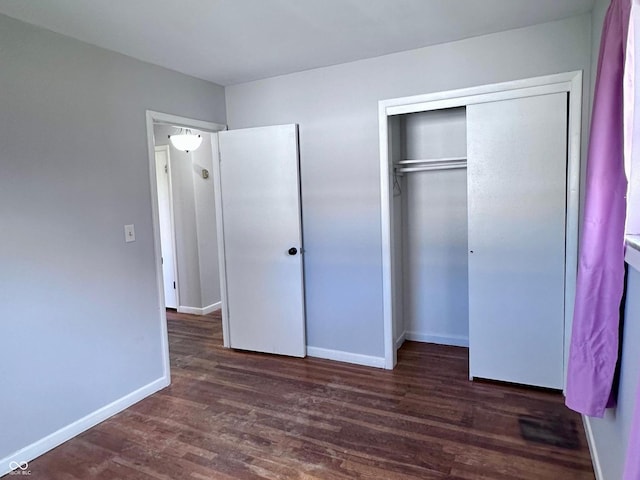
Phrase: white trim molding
x=58 y=437
x=400 y=340
x=200 y=311
x=452 y=340
x=632 y=253
x=595 y=459
x=212 y=308
x=222 y=256
x=347 y=357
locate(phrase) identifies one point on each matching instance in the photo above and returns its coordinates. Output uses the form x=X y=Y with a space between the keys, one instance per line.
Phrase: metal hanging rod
x=443 y=163
x=433 y=160
x=426 y=168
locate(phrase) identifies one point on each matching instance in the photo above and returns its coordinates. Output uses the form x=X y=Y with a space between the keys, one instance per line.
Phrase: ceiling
x=235 y=41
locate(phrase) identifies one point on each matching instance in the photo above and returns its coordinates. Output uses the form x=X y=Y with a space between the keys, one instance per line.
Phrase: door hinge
x=174 y=285
x=161 y=261
x=166 y=168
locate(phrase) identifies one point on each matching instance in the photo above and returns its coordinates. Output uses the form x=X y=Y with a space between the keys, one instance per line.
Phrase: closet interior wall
x=430 y=229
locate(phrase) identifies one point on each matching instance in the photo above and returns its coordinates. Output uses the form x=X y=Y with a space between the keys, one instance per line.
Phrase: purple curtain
x=594 y=341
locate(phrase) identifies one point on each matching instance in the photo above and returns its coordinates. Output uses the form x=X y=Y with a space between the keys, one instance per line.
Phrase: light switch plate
x=129 y=233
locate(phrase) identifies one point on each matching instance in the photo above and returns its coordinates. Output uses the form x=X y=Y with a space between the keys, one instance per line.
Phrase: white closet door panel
x=517 y=164
x=262 y=221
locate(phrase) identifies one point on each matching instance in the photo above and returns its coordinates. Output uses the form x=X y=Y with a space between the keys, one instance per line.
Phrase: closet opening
x=480 y=200
x=429 y=159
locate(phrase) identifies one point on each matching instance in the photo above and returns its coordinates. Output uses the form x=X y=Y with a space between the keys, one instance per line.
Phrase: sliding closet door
x=517 y=162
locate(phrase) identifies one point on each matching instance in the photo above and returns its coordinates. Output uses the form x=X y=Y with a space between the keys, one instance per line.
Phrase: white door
x=517 y=167
x=260 y=191
x=166 y=226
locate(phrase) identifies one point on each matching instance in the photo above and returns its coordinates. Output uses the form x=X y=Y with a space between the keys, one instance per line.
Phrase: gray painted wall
x=336 y=108
x=434 y=216
x=206 y=221
x=80 y=324
x=611 y=433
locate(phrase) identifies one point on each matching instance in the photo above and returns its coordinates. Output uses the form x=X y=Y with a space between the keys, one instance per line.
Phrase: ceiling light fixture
x=186 y=140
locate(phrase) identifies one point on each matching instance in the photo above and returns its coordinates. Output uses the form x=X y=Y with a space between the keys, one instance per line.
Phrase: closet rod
x=433 y=160
x=427 y=168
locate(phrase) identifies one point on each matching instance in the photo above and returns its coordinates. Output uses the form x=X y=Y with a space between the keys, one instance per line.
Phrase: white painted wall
x=195 y=221
x=80 y=323
x=611 y=434
x=336 y=108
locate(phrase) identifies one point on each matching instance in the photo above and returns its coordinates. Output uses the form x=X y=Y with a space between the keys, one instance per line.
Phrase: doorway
x=187 y=220
x=183 y=197
x=261 y=275
x=512 y=129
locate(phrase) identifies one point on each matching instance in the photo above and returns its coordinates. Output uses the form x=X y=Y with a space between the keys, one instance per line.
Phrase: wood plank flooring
x=234 y=415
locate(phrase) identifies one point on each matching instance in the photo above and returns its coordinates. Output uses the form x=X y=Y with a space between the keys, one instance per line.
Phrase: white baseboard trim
x=401 y=340
x=595 y=459
x=58 y=437
x=632 y=255
x=346 y=357
x=453 y=340
x=212 y=308
x=200 y=311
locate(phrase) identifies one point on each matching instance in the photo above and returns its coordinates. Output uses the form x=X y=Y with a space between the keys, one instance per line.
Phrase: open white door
x=260 y=192
x=166 y=227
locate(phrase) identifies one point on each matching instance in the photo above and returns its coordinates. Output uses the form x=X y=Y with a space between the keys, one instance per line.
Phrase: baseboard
x=595 y=459
x=212 y=308
x=401 y=340
x=453 y=340
x=346 y=357
x=200 y=311
x=30 y=452
x=632 y=256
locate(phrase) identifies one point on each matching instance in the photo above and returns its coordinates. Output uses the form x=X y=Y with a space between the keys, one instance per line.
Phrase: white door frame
x=166 y=149
x=152 y=118
x=570 y=82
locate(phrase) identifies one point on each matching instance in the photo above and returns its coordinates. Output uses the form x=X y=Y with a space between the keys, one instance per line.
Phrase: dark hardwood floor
x=233 y=415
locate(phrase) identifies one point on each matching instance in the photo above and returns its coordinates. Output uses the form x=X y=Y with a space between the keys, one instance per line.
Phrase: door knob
x=293 y=251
